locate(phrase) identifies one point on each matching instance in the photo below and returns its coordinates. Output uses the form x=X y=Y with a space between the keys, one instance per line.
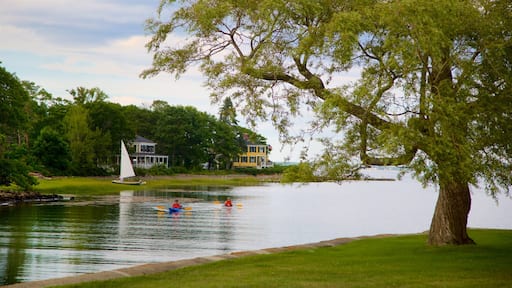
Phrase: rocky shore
x=10 y=198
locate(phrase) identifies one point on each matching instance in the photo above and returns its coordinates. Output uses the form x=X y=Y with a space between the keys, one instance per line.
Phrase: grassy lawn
x=403 y=261
x=90 y=186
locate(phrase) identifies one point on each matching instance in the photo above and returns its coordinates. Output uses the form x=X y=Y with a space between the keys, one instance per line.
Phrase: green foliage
x=21 y=153
x=224 y=145
x=191 y=138
x=13 y=101
x=38 y=108
x=428 y=63
x=157 y=170
x=54 y=117
x=111 y=121
x=82 y=95
x=179 y=170
x=264 y=171
x=302 y=172
x=227 y=112
x=143 y=122
x=80 y=137
x=53 y=151
x=13 y=171
x=433 y=93
x=188 y=129
x=14 y=104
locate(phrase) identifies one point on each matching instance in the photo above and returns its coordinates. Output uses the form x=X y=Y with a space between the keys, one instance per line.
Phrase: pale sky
x=63 y=44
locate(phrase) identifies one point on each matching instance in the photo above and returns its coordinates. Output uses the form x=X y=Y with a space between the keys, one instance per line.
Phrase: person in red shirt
x=228 y=203
x=176 y=204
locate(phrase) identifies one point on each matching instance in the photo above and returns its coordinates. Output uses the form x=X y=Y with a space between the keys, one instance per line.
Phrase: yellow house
x=256 y=156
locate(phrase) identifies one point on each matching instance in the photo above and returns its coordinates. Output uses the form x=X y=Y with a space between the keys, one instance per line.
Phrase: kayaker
x=176 y=204
x=228 y=203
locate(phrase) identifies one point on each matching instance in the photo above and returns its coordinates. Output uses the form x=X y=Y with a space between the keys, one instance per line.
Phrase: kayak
x=168 y=210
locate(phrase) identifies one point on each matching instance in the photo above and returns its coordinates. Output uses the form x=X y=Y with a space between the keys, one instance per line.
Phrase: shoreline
x=41 y=194
x=88 y=186
x=159 y=267
x=9 y=198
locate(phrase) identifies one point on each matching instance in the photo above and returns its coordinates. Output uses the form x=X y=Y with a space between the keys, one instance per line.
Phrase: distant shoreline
x=51 y=189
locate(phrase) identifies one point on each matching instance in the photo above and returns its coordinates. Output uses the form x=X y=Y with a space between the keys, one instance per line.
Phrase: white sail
x=126 y=164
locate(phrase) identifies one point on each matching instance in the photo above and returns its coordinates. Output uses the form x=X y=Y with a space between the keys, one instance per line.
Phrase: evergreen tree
x=227 y=112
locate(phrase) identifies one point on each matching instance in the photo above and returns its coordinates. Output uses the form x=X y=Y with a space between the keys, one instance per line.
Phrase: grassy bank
x=91 y=186
x=403 y=261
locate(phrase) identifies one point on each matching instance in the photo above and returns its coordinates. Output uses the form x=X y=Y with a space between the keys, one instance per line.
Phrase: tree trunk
x=450 y=218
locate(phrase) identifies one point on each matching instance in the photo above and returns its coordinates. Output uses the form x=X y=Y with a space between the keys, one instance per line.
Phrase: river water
x=48 y=241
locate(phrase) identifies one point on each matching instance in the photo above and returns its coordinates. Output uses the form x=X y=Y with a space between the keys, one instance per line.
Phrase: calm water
x=48 y=241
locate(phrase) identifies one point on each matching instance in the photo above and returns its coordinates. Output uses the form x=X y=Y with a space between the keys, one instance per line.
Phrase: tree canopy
x=14 y=101
x=433 y=93
x=54 y=136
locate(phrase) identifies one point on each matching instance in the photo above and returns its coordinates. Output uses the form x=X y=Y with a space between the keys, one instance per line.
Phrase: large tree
x=111 y=122
x=52 y=151
x=434 y=90
x=14 y=104
x=81 y=139
x=185 y=134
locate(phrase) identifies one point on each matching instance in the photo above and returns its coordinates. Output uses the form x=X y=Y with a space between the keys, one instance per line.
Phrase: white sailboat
x=126 y=169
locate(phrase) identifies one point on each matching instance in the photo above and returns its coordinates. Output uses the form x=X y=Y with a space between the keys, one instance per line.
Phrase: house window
x=243 y=159
x=147 y=148
x=252 y=148
x=261 y=149
x=252 y=159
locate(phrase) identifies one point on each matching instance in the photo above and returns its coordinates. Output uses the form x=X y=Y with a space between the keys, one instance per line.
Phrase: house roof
x=140 y=139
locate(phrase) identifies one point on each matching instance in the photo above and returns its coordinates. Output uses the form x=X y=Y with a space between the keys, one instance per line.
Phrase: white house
x=144 y=156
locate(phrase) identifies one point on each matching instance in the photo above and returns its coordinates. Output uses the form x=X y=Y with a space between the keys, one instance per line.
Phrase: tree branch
x=316 y=84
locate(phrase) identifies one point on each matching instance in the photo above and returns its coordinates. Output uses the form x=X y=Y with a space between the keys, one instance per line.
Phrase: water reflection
x=47 y=241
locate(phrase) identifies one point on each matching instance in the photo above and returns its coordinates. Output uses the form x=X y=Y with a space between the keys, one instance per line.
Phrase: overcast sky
x=64 y=44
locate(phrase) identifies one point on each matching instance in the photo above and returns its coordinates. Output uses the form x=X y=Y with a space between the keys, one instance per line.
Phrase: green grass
x=91 y=186
x=404 y=261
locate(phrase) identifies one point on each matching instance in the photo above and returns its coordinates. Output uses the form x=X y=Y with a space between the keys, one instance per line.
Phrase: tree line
x=56 y=136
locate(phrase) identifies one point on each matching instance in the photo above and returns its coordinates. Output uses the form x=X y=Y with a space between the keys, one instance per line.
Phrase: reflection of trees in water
x=15 y=227
x=32 y=231
x=70 y=235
